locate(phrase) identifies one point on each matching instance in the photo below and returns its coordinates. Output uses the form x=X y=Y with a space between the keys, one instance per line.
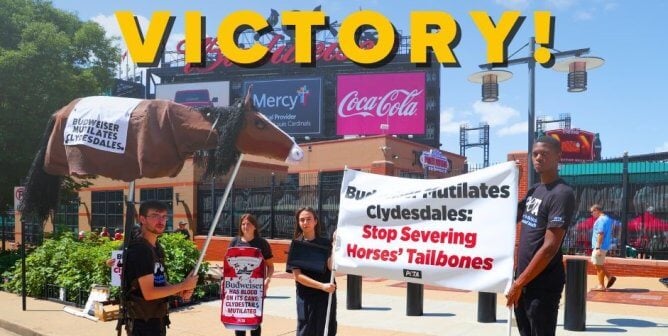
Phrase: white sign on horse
x=100 y=122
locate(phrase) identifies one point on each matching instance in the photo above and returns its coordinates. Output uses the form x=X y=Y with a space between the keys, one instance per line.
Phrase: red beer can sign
x=242 y=288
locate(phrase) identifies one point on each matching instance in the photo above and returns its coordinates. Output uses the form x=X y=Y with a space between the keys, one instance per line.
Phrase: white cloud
x=561 y=4
x=448 y=123
x=495 y=114
x=112 y=29
x=518 y=128
x=514 y=4
x=609 y=6
x=662 y=148
x=583 y=15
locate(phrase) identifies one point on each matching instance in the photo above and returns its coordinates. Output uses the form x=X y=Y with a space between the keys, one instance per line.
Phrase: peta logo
x=415 y=274
x=533 y=204
x=244 y=266
x=282 y=101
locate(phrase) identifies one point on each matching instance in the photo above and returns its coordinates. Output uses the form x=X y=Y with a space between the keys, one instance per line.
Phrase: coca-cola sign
x=390 y=103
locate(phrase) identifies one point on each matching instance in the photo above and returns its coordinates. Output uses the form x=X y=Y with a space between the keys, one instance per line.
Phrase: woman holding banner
x=249 y=235
x=309 y=261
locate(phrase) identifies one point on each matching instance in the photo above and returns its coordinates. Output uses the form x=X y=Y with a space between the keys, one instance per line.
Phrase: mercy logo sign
x=286 y=101
x=292 y=104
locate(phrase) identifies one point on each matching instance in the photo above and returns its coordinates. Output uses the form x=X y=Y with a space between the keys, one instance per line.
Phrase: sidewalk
x=446 y=312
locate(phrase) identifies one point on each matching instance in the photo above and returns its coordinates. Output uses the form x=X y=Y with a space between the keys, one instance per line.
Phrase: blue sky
x=622 y=102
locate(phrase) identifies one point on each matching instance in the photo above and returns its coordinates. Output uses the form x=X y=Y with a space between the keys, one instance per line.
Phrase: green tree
x=47 y=58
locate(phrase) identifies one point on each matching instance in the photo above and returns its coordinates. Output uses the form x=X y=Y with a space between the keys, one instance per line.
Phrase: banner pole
x=510 y=321
x=329 y=299
x=218 y=212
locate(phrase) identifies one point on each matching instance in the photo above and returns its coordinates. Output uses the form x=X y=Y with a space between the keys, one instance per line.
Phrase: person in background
x=546 y=214
x=601 y=240
x=146 y=286
x=313 y=288
x=249 y=235
x=118 y=234
x=183 y=229
x=104 y=232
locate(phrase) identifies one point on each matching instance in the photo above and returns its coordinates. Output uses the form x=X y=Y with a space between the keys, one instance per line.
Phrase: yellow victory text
x=434 y=31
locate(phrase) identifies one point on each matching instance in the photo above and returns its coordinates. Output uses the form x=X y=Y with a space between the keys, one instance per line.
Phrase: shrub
x=76 y=265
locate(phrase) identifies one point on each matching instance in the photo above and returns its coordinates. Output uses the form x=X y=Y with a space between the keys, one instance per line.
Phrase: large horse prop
x=152 y=139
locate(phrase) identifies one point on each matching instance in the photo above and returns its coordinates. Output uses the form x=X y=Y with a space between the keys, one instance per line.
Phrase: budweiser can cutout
x=242 y=288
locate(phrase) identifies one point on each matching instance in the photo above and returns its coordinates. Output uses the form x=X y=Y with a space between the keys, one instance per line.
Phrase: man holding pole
x=546 y=213
x=145 y=287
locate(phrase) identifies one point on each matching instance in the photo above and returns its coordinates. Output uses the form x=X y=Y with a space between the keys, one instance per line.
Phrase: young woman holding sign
x=250 y=236
x=312 y=273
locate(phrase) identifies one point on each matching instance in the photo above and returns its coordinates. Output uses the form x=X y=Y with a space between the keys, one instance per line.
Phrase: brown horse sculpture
x=160 y=135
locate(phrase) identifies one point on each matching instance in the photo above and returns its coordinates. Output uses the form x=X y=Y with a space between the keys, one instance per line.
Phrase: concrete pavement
x=446 y=312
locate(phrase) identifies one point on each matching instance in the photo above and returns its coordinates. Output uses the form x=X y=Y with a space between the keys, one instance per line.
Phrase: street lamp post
x=576 y=67
x=577 y=82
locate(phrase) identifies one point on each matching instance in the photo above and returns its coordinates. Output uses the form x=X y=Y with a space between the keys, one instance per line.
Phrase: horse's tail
x=41 y=189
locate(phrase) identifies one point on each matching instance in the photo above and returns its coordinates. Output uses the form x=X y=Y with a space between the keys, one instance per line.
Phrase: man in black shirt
x=546 y=213
x=146 y=286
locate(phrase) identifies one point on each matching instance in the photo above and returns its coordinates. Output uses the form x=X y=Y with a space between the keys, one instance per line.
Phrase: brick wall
x=617 y=266
x=218 y=247
x=628 y=266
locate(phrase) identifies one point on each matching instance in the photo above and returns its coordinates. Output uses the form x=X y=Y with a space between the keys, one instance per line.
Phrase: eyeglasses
x=158 y=217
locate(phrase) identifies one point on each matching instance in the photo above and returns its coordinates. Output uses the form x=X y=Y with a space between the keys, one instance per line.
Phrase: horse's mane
x=228 y=122
x=41 y=189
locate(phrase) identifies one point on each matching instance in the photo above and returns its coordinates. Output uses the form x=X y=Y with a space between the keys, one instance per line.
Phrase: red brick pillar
x=382 y=168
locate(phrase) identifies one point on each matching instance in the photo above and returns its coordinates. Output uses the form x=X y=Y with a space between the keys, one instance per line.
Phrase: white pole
x=510 y=321
x=218 y=212
x=329 y=300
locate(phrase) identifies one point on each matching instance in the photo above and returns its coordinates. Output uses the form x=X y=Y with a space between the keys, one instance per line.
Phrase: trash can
x=575 y=311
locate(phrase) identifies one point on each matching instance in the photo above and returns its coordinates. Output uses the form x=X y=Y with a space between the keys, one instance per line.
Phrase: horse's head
x=260 y=136
x=242 y=129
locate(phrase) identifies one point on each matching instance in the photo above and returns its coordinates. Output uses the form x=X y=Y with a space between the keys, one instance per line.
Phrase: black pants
x=256 y=332
x=536 y=312
x=151 y=327
x=312 y=313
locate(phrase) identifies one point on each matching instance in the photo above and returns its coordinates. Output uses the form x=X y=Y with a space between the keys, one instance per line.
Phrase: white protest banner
x=100 y=122
x=457 y=232
x=116 y=267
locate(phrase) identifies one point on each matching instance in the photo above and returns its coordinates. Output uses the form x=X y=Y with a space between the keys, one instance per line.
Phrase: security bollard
x=575 y=311
x=414 y=299
x=354 y=292
x=486 y=307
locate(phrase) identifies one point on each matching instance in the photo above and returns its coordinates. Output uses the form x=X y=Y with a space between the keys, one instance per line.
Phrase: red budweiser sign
x=281 y=53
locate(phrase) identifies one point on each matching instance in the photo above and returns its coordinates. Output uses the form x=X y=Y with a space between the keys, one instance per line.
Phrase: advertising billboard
x=387 y=103
x=200 y=94
x=294 y=104
x=576 y=145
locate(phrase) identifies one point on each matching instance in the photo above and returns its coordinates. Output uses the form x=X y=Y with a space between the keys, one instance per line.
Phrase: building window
x=107 y=210
x=164 y=195
x=412 y=175
x=67 y=217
